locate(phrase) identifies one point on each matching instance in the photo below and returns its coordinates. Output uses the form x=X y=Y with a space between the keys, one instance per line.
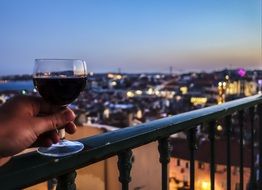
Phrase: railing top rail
x=31 y=168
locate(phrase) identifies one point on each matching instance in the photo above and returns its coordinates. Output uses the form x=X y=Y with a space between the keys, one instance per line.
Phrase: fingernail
x=69 y=115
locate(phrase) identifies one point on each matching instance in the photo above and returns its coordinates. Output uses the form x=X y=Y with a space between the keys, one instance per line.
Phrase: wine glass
x=59 y=82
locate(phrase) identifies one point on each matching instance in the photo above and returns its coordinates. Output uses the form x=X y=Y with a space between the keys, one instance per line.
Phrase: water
x=17 y=85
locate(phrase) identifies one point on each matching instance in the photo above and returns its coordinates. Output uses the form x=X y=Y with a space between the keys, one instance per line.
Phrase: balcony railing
x=31 y=168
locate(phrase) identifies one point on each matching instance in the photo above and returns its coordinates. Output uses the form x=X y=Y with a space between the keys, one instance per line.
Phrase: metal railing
x=31 y=168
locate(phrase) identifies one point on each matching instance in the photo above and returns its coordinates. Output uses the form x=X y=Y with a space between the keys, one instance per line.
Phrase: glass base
x=62 y=148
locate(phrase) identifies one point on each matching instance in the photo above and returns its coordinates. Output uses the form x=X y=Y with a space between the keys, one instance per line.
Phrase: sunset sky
x=135 y=36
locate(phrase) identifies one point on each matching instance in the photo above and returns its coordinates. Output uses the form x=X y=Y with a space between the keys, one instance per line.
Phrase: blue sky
x=136 y=36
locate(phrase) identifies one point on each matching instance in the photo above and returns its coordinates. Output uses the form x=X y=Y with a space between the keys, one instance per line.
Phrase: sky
x=131 y=36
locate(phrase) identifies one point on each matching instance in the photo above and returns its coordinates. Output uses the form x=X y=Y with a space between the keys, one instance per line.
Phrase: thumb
x=52 y=122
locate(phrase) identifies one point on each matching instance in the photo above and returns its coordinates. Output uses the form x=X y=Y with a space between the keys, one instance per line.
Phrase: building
x=180 y=165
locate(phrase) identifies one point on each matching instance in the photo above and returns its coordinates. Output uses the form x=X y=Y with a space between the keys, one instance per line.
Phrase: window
x=178 y=162
x=201 y=165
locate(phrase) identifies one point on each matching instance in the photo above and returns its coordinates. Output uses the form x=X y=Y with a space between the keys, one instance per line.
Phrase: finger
x=43 y=140
x=38 y=104
x=31 y=105
x=21 y=104
x=41 y=106
x=54 y=137
x=46 y=143
x=70 y=128
x=47 y=108
x=52 y=122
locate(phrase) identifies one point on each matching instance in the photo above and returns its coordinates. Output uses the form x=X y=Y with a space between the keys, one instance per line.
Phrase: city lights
x=139 y=114
x=130 y=94
x=184 y=89
x=106 y=113
x=150 y=91
x=113 y=83
x=219 y=127
x=127 y=100
x=205 y=185
x=222 y=90
x=198 y=100
x=139 y=92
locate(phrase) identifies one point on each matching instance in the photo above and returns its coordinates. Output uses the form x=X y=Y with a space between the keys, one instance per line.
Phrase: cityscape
x=147 y=61
x=118 y=100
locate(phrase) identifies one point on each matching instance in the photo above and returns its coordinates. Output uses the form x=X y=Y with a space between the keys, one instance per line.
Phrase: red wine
x=60 y=91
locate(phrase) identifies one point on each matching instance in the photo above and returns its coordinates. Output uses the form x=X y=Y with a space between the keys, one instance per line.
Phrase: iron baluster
x=260 y=146
x=124 y=166
x=228 y=136
x=192 y=148
x=164 y=151
x=66 y=181
x=252 y=184
x=212 y=153
x=241 y=124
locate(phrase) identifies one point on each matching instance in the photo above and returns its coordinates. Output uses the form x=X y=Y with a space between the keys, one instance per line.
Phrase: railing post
x=212 y=153
x=124 y=166
x=252 y=184
x=228 y=137
x=192 y=147
x=66 y=181
x=164 y=151
x=260 y=146
x=241 y=173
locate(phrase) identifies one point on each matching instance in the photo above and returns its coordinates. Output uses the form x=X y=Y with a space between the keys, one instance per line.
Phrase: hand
x=28 y=121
